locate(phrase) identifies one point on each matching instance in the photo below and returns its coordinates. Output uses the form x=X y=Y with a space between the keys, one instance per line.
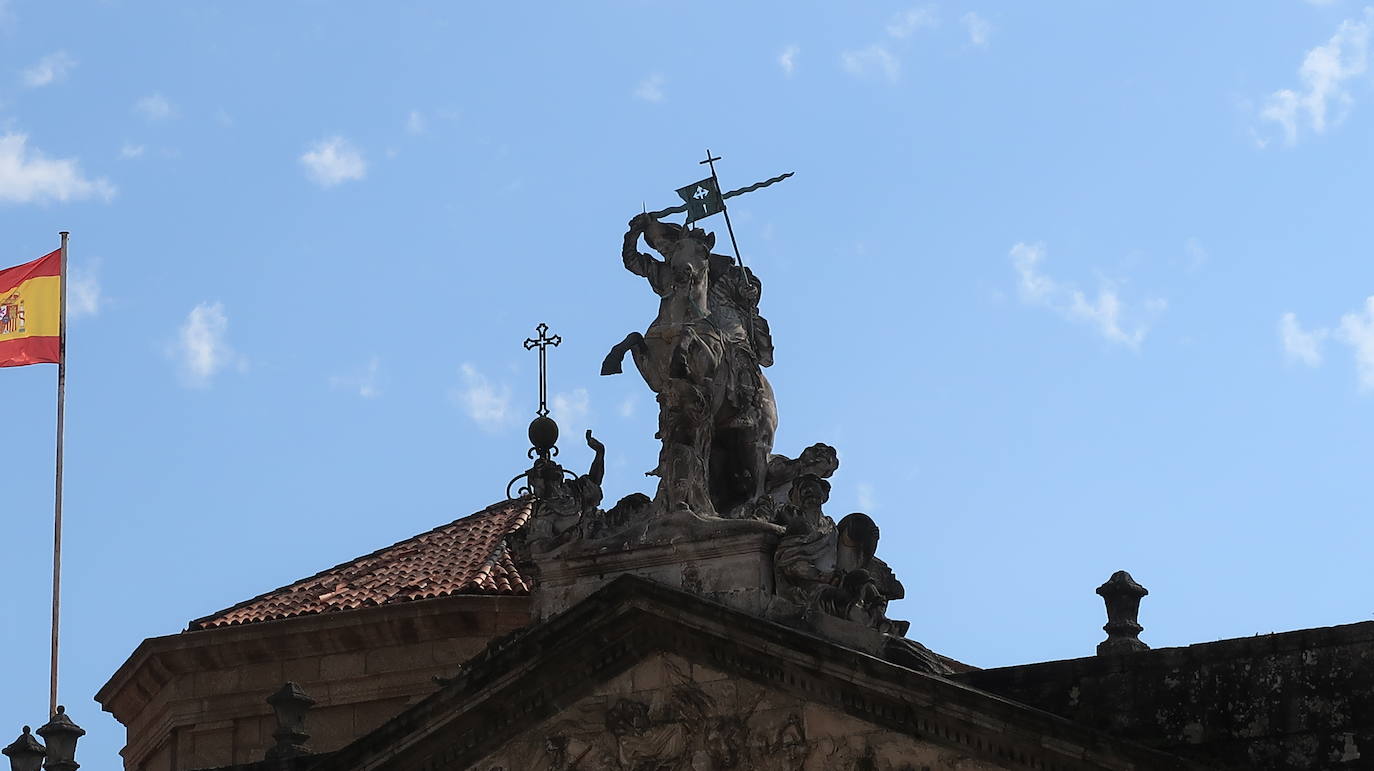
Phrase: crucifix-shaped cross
x=542 y=343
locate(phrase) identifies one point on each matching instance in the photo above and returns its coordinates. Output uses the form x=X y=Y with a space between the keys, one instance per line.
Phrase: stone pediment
x=640 y=676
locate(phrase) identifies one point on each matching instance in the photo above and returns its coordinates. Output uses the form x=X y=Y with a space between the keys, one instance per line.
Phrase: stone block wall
x=197 y=700
x=1295 y=700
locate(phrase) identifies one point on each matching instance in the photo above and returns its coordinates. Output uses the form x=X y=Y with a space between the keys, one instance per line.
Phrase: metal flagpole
x=723 y=209
x=57 y=500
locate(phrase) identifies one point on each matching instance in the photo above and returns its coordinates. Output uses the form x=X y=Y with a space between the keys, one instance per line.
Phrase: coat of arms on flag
x=12 y=314
x=702 y=199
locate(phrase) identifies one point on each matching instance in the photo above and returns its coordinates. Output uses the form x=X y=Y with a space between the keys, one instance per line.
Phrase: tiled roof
x=466 y=556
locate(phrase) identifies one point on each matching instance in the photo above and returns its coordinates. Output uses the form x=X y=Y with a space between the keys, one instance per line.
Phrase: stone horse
x=716 y=410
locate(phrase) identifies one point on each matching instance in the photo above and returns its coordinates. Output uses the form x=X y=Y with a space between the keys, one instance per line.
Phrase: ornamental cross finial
x=543 y=342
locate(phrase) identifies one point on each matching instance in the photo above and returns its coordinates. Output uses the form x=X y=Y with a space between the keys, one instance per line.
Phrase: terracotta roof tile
x=466 y=556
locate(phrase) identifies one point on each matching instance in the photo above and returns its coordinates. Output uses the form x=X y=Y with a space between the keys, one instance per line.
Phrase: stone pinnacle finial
x=1122 y=595
x=290 y=704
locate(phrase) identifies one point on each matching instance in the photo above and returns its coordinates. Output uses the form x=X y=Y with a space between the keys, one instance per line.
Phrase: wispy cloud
x=415 y=123
x=1105 y=312
x=27 y=176
x=332 y=161
x=487 y=403
x=573 y=406
x=1300 y=345
x=1322 y=98
x=202 y=348
x=907 y=22
x=627 y=406
x=787 y=60
x=1357 y=331
x=52 y=68
x=878 y=59
x=875 y=58
x=129 y=151
x=83 y=290
x=979 y=29
x=364 y=383
x=155 y=107
x=650 y=89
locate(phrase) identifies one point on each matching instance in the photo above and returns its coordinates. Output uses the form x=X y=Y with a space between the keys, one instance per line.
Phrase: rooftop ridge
x=359 y=573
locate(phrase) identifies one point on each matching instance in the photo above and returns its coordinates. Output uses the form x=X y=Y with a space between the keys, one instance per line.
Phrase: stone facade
x=667 y=712
x=642 y=677
x=198 y=699
x=1291 y=701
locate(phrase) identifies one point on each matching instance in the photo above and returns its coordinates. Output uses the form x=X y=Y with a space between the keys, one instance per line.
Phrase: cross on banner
x=542 y=343
x=702 y=198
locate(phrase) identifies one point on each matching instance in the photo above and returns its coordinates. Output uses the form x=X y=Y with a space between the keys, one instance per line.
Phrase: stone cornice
x=158 y=660
x=528 y=677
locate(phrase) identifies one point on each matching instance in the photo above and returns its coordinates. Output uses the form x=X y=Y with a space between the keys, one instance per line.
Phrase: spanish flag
x=31 y=312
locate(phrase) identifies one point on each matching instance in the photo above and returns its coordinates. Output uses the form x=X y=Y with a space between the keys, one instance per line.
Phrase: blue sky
x=1073 y=287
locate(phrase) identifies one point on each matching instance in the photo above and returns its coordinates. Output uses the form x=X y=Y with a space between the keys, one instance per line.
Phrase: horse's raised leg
x=614 y=361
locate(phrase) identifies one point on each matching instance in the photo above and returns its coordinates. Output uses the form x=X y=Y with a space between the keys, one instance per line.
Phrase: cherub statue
x=560 y=502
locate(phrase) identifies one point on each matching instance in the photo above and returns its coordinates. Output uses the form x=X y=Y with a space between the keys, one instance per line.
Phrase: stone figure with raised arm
x=702 y=356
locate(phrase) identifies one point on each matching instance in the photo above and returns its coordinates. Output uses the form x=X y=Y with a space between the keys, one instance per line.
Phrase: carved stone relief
x=667 y=714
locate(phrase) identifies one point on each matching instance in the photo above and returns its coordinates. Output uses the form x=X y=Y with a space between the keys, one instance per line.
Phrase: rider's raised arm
x=636 y=261
x=657 y=271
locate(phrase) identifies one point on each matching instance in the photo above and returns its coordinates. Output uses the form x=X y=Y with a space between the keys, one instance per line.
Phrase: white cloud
x=364 y=383
x=83 y=291
x=1300 y=345
x=1323 y=73
x=907 y=22
x=155 y=107
x=787 y=60
x=650 y=89
x=27 y=176
x=202 y=346
x=1026 y=259
x=572 y=407
x=627 y=406
x=1106 y=312
x=978 y=29
x=415 y=123
x=52 y=68
x=131 y=151
x=875 y=58
x=332 y=161
x=1357 y=331
x=486 y=403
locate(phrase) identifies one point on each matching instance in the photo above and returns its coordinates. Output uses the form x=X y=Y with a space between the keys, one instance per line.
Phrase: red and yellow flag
x=31 y=312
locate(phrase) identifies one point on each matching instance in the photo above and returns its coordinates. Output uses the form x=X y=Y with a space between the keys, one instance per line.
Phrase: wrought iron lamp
x=61 y=734
x=25 y=753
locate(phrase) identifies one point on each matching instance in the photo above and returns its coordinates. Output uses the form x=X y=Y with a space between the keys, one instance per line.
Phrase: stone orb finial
x=543 y=433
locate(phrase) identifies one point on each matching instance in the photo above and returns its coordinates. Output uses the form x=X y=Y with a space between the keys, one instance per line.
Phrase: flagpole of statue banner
x=703 y=199
x=711 y=163
x=57 y=499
